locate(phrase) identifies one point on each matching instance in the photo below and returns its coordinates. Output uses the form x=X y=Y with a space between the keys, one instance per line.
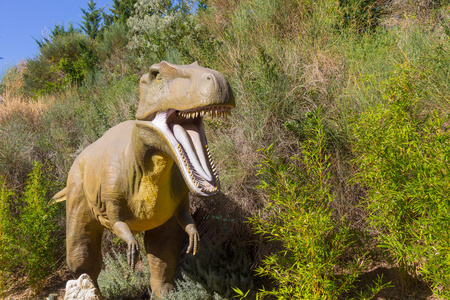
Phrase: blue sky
x=23 y=20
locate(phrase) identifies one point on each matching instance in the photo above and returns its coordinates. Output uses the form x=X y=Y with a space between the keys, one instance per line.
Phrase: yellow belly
x=154 y=204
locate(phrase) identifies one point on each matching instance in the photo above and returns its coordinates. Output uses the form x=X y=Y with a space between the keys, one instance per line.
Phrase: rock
x=52 y=297
x=82 y=289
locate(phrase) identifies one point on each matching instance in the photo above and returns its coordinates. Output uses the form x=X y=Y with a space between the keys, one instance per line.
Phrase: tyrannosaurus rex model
x=137 y=176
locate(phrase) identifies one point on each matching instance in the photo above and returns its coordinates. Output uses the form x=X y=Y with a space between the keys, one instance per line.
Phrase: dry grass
x=12 y=106
x=14 y=103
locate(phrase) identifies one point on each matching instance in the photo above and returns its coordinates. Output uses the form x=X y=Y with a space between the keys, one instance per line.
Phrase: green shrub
x=119 y=281
x=66 y=60
x=299 y=217
x=402 y=155
x=190 y=289
x=210 y=274
x=214 y=271
x=156 y=28
x=31 y=242
x=6 y=235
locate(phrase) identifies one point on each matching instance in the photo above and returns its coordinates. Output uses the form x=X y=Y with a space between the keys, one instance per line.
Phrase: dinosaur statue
x=137 y=176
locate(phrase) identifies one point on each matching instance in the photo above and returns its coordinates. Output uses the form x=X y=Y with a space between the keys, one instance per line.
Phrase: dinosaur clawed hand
x=132 y=253
x=194 y=238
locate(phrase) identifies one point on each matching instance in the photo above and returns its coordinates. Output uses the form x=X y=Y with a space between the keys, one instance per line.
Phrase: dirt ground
x=399 y=289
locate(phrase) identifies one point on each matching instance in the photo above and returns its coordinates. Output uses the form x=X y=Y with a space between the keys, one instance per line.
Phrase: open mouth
x=185 y=132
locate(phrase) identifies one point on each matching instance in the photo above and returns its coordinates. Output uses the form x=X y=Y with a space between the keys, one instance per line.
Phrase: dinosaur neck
x=152 y=162
x=146 y=144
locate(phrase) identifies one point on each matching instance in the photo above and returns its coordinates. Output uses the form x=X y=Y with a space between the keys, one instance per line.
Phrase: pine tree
x=92 y=19
x=120 y=12
x=58 y=30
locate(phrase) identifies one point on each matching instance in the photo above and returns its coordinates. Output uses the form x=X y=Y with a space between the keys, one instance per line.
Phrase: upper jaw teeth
x=213 y=111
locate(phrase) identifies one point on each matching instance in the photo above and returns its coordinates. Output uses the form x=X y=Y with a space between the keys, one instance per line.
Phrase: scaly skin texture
x=137 y=176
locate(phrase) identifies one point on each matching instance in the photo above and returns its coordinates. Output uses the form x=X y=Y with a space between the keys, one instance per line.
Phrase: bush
x=402 y=155
x=214 y=271
x=298 y=217
x=31 y=242
x=119 y=281
x=66 y=60
x=157 y=27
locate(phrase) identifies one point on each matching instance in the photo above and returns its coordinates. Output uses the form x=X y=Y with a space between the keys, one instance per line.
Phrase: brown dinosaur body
x=137 y=176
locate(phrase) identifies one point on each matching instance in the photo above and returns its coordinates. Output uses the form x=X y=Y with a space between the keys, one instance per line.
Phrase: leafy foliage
x=402 y=155
x=30 y=237
x=119 y=281
x=299 y=217
x=214 y=271
x=158 y=26
x=65 y=61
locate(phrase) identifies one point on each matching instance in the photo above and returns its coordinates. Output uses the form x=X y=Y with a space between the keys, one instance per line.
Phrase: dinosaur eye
x=154 y=73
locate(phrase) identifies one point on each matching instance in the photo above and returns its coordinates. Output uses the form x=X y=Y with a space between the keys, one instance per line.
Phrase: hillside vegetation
x=334 y=164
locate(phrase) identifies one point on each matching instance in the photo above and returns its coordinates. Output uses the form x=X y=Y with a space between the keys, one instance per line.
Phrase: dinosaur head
x=173 y=101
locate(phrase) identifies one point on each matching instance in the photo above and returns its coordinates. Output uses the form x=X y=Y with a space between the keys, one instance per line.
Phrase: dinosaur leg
x=163 y=245
x=83 y=240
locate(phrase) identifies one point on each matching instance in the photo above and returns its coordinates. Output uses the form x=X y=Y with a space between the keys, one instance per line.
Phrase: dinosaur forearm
x=184 y=219
x=122 y=230
x=187 y=223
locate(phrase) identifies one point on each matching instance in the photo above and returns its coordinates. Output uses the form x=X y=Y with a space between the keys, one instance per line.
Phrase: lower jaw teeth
x=191 y=174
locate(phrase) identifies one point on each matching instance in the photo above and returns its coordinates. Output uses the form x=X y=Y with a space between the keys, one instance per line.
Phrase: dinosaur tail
x=59 y=197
